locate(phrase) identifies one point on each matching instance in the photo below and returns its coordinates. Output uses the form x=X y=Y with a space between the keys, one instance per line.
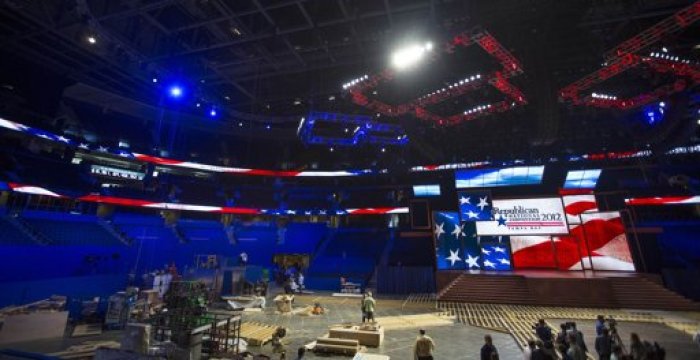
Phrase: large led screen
x=575 y=205
x=543 y=216
x=533 y=252
x=426 y=190
x=519 y=175
x=605 y=241
x=582 y=179
x=448 y=233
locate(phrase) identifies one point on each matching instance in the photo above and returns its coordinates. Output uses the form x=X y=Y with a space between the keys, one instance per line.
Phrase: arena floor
x=454 y=336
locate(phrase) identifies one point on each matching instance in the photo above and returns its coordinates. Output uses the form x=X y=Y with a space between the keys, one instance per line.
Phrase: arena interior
x=358 y=179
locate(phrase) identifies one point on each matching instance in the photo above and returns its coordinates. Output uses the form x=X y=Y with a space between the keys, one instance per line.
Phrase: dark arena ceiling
x=99 y=69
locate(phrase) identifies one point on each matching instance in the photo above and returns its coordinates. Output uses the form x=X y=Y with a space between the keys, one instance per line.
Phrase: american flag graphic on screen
x=448 y=233
x=596 y=240
x=495 y=253
x=475 y=205
x=575 y=205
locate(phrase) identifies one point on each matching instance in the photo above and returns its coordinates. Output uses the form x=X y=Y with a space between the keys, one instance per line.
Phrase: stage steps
x=642 y=293
x=629 y=292
x=498 y=289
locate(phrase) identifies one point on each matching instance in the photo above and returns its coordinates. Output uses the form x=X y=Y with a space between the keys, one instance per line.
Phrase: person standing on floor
x=527 y=351
x=362 y=306
x=603 y=344
x=637 y=349
x=561 y=338
x=488 y=351
x=369 y=305
x=543 y=331
x=423 y=349
x=575 y=352
x=579 y=338
x=599 y=325
x=540 y=352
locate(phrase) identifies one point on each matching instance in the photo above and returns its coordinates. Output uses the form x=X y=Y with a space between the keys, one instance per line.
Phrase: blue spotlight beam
x=366 y=130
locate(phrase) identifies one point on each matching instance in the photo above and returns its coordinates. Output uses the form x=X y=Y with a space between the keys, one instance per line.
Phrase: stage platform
x=605 y=289
x=582 y=274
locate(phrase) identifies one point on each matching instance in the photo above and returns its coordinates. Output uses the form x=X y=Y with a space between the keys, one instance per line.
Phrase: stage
x=605 y=289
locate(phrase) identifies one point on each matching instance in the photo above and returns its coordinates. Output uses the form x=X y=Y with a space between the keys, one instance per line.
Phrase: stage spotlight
x=198 y=105
x=267 y=127
x=213 y=112
x=331 y=149
x=409 y=56
x=383 y=149
x=91 y=39
x=240 y=124
x=175 y=91
x=155 y=80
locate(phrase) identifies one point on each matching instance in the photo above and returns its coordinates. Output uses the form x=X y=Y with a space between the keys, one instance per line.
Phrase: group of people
x=571 y=344
x=291 y=278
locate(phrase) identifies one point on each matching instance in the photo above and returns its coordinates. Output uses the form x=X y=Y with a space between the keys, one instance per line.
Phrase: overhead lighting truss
x=499 y=79
x=627 y=56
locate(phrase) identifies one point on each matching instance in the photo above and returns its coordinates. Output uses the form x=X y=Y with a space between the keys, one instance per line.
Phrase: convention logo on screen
x=543 y=216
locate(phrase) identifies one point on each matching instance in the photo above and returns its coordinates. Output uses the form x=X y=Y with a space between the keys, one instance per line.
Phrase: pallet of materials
x=367 y=335
x=85 y=350
x=87 y=330
x=257 y=334
x=336 y=346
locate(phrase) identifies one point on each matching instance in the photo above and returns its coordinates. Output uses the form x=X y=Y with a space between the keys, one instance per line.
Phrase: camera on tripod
x=612 y=324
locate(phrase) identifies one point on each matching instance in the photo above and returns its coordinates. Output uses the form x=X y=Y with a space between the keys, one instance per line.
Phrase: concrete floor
x=453 y=342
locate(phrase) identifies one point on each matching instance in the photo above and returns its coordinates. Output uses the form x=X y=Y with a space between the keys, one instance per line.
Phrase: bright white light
x=662 y=104
x=92 y=39
x=175 y=91
x=410 y=56
x=155 y=80
x=664 y=49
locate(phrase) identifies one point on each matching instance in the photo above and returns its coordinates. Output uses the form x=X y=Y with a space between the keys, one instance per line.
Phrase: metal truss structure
x=510 y=67
x=359 y=129
x=626 y=56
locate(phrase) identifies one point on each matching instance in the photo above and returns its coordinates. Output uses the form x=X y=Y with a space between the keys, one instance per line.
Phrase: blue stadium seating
x=70 y=229
x=352 y=253
x=302 y=238
x=9 y=234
